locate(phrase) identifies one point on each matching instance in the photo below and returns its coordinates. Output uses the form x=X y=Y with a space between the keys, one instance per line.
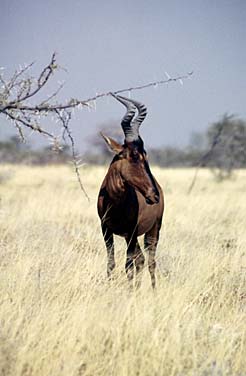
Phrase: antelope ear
x=112 y=144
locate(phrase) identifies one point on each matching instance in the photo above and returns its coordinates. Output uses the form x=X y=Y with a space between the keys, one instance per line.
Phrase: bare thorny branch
x=16 y=93
x=65 y=117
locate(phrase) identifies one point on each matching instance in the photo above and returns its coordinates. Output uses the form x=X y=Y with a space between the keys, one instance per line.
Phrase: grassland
x=60 y=316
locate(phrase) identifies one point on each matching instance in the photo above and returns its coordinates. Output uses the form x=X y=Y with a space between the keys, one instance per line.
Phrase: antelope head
x=130 y=161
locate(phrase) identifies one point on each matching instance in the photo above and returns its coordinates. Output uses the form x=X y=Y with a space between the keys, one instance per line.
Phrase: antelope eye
x=135 y=155
x=121 y=155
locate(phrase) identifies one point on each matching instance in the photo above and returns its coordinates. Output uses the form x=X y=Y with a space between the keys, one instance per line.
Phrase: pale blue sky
x=107 y=45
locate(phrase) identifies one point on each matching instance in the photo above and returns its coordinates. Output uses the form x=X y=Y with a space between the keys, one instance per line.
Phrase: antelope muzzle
x=152 y=197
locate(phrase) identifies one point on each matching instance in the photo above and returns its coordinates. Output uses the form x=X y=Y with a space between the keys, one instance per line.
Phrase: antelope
x=130 y=201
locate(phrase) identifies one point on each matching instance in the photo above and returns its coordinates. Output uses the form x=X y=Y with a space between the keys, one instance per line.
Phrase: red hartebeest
x=130 y=201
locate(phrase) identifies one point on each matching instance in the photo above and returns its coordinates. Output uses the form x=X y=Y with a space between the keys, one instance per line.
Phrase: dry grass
x=60 y=316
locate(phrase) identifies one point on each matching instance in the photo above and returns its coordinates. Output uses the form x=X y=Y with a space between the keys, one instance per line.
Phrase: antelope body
x=130 y=201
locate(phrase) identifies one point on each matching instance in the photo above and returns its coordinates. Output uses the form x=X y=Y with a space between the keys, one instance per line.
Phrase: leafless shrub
x=18 y=91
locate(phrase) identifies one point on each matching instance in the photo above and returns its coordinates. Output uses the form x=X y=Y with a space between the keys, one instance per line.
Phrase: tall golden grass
x=60 y=316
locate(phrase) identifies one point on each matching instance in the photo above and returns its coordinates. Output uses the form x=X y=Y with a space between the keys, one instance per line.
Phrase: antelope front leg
x=150 y=243
x=109 y=241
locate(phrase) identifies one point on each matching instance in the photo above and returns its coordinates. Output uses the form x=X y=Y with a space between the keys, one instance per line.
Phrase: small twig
x=18 y=74
x=21 y=134
x=52 y=96
x=42 y=80
x=34 y=127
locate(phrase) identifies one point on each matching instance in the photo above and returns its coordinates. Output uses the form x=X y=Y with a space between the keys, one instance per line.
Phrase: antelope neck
x=115 y=184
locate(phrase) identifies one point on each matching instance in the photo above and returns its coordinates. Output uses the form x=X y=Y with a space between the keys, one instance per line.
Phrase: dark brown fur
x=130 y=204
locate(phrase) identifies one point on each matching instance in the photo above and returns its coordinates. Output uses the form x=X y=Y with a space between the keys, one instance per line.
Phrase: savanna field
x=60 y=316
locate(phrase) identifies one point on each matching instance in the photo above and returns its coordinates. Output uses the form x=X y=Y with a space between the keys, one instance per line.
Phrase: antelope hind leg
x=139 y=264
x=109 y=241
x=130 y=256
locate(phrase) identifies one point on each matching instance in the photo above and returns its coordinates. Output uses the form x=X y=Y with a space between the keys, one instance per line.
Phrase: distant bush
x=229 y=152
x=14 y=151
x=224 y=144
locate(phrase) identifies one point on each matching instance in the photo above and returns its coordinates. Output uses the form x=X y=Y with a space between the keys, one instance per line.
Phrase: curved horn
x=142 y=112
x=131 y=133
